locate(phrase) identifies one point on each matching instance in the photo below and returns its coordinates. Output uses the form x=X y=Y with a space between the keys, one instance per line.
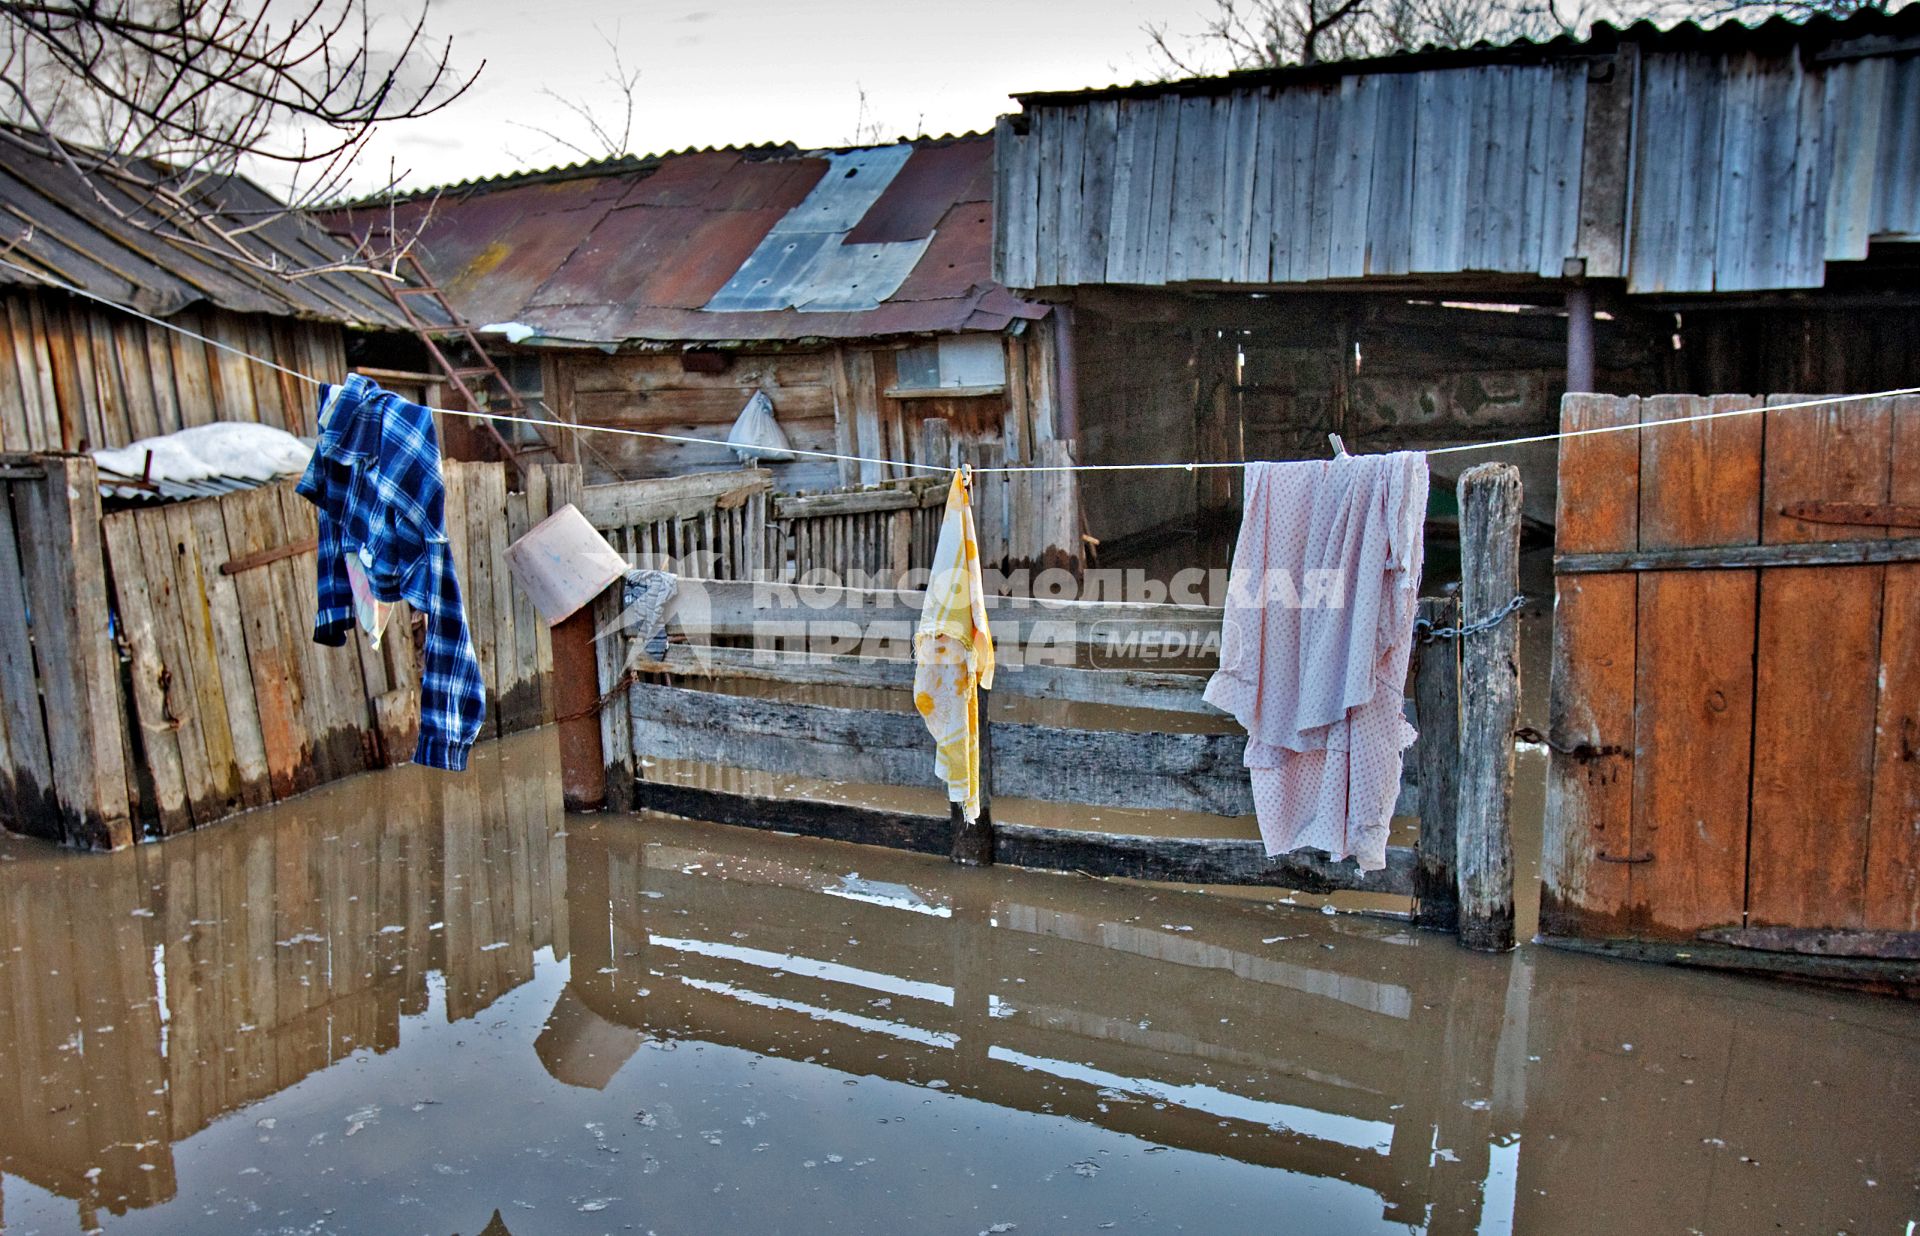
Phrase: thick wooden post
x=1436 y=708
x=1490 y=694
x=973 y=842
x=616 y=724
x=576 y=695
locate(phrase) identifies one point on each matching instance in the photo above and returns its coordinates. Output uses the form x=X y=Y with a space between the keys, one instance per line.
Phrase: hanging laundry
x=953 y=651
x=375 y=479
x=1317 y=635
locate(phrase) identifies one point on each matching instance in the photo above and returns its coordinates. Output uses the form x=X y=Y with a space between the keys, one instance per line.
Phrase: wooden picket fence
x=157 y=665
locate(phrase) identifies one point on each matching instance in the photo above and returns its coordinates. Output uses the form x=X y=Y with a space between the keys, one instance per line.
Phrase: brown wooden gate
x=1736 y=677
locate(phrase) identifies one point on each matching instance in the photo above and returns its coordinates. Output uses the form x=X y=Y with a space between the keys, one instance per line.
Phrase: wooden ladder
x=482 y=387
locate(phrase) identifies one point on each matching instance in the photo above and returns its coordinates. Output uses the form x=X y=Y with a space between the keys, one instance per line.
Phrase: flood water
x=415 y=1003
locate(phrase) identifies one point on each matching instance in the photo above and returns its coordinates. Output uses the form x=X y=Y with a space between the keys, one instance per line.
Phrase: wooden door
x=1736 y=680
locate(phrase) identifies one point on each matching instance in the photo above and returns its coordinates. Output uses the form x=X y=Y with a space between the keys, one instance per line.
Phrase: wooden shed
x=1431 y=248
x=77 y=375
x=851 y=287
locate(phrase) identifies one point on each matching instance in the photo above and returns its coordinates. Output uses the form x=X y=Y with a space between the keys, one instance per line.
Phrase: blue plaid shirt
x=375 y=477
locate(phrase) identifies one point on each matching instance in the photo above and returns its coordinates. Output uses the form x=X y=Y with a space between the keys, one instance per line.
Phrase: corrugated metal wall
x=1747 y=171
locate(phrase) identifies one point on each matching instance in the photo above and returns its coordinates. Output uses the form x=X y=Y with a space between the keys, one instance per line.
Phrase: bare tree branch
x=1267 y=33
x=159 y=105
x=608 y=136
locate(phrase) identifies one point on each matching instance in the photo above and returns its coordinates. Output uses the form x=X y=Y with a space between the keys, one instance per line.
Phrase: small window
x=954 y=365
x=918 y=367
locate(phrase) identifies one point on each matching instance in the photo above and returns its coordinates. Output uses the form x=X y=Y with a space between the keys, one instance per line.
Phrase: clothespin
x=1339 y=447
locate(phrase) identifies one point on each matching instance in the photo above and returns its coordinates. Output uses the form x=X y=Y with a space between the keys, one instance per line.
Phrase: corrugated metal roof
x=53 y=222
x=1867 y=27
x=639 y=251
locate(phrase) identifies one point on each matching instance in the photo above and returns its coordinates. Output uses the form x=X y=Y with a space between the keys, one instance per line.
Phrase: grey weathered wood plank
x=1390 y=197
x=147 y=672
x=1353 y=171
x=1160 y=691
x=1094 y=215
x=618 y=732
x=722 y=607
x=624 y=503
x=1489 y=497
x=1186 y=772
x=28 y=788
x=1743 y=557
x=59 y=540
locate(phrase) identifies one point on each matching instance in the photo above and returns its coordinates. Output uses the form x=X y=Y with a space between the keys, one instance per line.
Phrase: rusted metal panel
x=633 y=250
x=933 y=182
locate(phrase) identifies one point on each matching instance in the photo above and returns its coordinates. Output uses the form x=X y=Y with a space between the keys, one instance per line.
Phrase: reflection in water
x=409 y=1002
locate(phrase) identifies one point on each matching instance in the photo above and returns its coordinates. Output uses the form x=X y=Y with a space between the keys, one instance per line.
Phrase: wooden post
x=1579 y=338
x=576 y=694
x=973 y=842
x=1436 y=707
x=616 y=725
x=1489 y=498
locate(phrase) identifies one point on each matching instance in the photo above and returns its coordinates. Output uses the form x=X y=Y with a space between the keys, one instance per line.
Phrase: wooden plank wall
x=237 y=706
x=76 y=376
x=835 y=400
x=1678 y=170
x=1734 y=723
x=1450 y=169
x=64 y=771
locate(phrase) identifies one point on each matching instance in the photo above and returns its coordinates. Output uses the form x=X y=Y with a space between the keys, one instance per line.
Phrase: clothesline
x=905 y=465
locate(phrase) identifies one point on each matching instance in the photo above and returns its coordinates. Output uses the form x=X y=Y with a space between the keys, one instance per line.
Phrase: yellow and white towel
x=953 y=651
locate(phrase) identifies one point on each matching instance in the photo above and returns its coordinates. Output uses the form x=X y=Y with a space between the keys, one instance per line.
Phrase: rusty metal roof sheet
x=56 y=225
x=643 y=250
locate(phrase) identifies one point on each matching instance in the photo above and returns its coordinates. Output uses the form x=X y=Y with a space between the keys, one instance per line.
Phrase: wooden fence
x=1736 y=685
x=61 y=735
x=223 y=701
x=732 y=526
x=1176 y=754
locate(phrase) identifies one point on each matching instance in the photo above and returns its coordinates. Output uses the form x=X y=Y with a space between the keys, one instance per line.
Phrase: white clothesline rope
x=543 y=422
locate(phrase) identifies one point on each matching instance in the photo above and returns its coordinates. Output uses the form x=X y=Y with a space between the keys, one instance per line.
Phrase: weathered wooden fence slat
x=231 y=702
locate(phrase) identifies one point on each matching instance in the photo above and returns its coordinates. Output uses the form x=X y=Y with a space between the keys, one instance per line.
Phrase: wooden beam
x=1436 y=757
x=247 y=562
x=1161 y=691
x=1168 y=771
x=639 y=502
x=1489 y=497
x=729 y=607
x=1182 y=860
x=1186 y=860
x=1742 y=557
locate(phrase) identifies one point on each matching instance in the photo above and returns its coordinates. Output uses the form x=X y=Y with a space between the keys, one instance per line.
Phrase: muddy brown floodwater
x=414 y=1003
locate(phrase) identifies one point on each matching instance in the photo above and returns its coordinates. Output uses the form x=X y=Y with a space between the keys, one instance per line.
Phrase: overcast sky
x=724 y=72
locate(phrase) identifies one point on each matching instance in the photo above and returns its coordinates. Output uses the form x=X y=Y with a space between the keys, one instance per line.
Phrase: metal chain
x=1426 y=632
